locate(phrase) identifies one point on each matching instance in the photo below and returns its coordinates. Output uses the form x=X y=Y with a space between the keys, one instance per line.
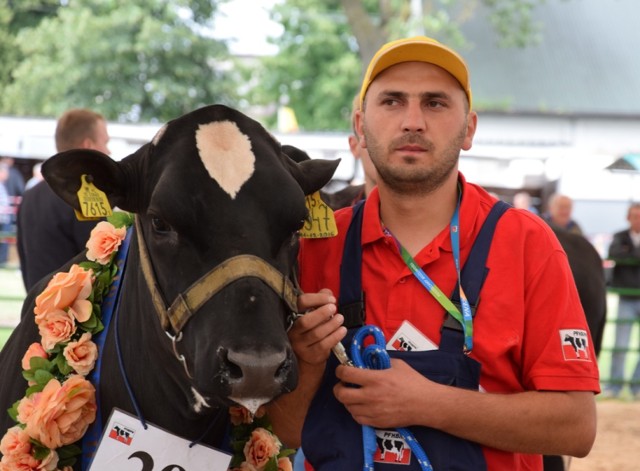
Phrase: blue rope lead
x=375 y=357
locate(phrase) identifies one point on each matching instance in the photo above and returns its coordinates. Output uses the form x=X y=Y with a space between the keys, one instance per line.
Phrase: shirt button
x=402 y=280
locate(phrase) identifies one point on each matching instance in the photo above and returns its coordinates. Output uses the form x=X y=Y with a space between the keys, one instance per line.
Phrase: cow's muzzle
x=257 y=378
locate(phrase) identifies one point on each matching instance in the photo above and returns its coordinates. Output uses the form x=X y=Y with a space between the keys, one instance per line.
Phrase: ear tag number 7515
x=94 y=204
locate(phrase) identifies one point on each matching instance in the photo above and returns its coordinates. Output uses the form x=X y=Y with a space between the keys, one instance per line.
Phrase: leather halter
x=187 y=304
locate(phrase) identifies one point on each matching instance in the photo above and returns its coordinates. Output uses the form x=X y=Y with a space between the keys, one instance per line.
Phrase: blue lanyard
x=466 y=317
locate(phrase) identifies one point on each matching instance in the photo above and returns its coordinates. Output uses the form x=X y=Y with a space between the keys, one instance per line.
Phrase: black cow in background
x=588 y=273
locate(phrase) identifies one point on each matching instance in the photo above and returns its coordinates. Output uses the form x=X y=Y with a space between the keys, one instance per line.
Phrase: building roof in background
x=586 y=63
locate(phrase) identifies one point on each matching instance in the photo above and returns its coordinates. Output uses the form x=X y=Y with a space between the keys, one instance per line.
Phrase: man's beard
x=409 y=180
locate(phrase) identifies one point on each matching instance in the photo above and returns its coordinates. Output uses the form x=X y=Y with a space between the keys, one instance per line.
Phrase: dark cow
x=588 y=273
x=213 y=187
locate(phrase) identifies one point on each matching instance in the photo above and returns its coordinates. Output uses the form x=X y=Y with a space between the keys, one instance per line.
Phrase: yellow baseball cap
x=417 y=49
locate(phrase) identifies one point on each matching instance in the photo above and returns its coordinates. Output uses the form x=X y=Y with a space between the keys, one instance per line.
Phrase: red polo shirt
x=528 y=304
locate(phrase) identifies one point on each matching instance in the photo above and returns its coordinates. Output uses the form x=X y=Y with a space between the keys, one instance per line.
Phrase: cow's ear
x=63 y=172
x=311 y=174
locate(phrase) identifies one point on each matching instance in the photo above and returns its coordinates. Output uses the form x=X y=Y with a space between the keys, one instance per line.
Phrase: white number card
x=127 y=446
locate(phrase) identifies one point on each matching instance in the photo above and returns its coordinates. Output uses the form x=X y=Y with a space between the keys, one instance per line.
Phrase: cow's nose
x=258 y=373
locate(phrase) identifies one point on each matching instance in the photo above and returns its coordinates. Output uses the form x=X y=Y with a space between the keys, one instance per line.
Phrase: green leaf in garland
x=286 y=452
x=90 y=323
x=39 y=363
x=36 y=388
x=40 y=452
x=272 y=464
x=42 y=377
x=13 y=410
x=121 y=219
x=88 y=264
x=63 y=366
x=68 y=451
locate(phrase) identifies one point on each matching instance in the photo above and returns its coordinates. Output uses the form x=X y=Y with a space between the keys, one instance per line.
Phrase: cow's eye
x=159 y=225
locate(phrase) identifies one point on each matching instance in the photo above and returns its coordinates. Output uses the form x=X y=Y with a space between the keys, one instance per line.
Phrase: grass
x=12 y=294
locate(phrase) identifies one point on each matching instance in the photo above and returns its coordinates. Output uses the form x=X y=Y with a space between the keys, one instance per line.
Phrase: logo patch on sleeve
x=575 y=344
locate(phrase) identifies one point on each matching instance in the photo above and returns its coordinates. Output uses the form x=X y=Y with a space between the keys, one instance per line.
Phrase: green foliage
x=317 y=69
x=326 y=45
x=139 y=61
x=153 y=60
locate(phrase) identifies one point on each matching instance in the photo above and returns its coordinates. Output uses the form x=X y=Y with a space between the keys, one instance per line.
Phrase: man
x=537 y=391
x=6 y=212
x=559 y=214
x=49 y=233
x=354 y=193
x=625 y=251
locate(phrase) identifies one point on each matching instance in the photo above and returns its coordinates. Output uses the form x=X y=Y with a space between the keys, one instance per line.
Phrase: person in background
x=522 y=200
x=353 y=193
x=49 y=233
x=559 y=212
x=5 y=214
x=625 y=252
x=36 y=177
x=417 y=225
x=15 y=185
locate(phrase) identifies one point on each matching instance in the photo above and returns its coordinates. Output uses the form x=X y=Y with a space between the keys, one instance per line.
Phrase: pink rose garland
x=255 y=446
x=57 y=411
x=104 y=241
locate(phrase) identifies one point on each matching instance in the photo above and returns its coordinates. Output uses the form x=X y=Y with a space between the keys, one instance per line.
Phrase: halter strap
x=230 y=270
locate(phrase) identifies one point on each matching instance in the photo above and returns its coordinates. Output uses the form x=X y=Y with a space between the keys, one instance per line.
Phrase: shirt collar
x=469 y=213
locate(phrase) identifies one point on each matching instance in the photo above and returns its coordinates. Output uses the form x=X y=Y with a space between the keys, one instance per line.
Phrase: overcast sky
x=247 y=30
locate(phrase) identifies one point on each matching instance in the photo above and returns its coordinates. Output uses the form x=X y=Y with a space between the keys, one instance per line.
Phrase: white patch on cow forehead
x=158 y=135
x=226 y=154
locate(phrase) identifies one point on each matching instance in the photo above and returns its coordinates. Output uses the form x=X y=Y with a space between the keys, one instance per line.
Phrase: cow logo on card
x=121 y=433
x=392 y=449
x=403 y=344
x=575 y=344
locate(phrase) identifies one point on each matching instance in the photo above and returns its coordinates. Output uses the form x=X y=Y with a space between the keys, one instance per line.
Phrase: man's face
x=415 y=122
x=561 y=211
x=634 y=219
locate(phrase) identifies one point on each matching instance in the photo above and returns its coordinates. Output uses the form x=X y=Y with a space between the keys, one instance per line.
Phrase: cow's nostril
x=282 y=373
x=234 y=371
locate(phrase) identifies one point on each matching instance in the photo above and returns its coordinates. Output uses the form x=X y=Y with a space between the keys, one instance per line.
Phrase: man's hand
x=381 y=398
x=316 y=332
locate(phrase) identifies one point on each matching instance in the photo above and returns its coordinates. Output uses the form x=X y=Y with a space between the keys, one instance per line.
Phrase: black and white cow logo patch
x=575 y=344
x=392 y=449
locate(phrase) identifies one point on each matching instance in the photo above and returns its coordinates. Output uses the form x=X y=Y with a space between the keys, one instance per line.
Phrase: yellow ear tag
x=320 y=223
x=93 y=202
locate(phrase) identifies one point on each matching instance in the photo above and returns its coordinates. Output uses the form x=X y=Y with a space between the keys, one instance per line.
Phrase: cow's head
x=213 y=185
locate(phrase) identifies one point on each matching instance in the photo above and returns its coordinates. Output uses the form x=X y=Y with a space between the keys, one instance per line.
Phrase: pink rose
x=25 y=408
x=81 y=355
x=244 y=466
x=55 y=327
x=104 y=241
x=34 y=350
x=62 y=413
x=241 y=415
x=64 y=291
x=284 y=464
x=261 y=447
x=15 y=443
x=50 y=463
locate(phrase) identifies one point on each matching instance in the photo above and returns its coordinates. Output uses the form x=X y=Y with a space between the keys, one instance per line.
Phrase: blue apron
x=332 y=440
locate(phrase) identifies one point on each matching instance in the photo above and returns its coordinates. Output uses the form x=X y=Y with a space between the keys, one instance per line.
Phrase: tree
x=149 y=60
x=326 y=44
